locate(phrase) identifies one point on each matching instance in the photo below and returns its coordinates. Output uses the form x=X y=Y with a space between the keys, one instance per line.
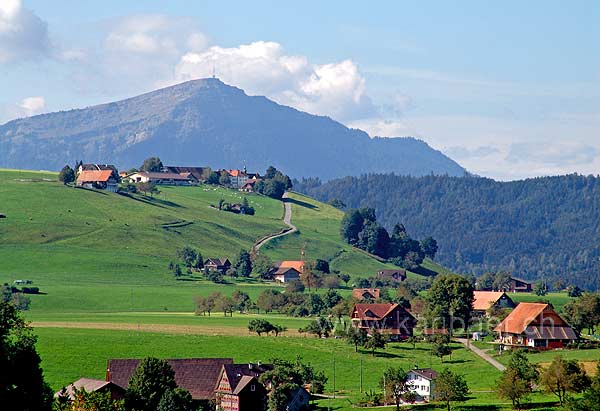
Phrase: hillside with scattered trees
x=536 y=228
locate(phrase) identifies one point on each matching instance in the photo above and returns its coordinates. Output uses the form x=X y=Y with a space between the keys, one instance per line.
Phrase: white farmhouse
x=423 y=383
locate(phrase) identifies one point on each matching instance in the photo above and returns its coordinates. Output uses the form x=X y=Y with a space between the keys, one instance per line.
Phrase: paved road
x=287 y=219
x=482 y=354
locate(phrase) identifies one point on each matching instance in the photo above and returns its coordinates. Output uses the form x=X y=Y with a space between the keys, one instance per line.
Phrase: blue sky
x=508 y=89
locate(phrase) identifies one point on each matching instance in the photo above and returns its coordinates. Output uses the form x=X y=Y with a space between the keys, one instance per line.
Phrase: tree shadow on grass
x=454 y=361
x=300 y=203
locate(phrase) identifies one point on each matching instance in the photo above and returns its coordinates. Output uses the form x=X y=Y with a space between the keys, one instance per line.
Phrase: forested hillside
x=537 y=228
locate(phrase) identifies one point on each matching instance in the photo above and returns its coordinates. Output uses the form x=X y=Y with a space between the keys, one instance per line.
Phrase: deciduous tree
x=395 y=384
x=450 y=387
x=151 y=379
x=564 y=376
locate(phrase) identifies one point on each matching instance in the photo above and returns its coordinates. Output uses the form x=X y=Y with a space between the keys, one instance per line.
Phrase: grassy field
x=71 y=353
x=557 y=299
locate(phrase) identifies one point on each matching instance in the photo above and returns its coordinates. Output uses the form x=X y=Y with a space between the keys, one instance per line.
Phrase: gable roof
x=166 y=176
x=297 y=265
x=521 y=318
x=199 y=173
x=92 y=176
x=240 y=375
x=88 y=384
x=197 y=375
x=427 y=373
x=485 y=299
x=286 y=270
x=376 y=311
x=359 y=293
x=217 y=261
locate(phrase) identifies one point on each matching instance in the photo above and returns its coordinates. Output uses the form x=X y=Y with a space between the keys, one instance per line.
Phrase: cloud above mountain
x=23 y=35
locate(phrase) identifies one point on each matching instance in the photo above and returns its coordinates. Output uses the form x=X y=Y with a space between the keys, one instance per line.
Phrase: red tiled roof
x=197 y=375
x=520 y=319
x=374 y=311
x=91 y=176
x=485 y=299
x=297 y=265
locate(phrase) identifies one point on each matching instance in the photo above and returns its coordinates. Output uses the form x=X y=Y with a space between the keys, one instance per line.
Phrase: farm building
x=217 y=264
x=422 y=382
x=393 y=276
x=285 y=274
x=366 y=293
x=199 y=173
x=484 y=300
x=91 y=385
x=534 y=325
x=389 y=319
x=296 y=265
x=197 y=375
x=238 y=388
x=98 y=179
x=165 y=179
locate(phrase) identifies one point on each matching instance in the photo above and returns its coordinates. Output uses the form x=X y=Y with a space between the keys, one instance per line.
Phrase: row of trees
x=561 y=378
x=360 y=228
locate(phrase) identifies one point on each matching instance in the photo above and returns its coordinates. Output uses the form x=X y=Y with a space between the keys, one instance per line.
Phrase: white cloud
x=23 y=35
x=334 y=89
x=33 y=105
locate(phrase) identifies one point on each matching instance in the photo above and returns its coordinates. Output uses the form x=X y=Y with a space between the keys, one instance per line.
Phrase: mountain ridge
x=208 y=122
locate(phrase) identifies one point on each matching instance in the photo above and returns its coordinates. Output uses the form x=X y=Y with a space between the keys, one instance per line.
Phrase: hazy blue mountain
x=206 y=122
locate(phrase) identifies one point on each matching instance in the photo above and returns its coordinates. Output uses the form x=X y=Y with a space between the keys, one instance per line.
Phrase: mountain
x=206 y=122
x=541 y=228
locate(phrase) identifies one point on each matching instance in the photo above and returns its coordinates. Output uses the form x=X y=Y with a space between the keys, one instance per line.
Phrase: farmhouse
x=96 y=167
x=296 y=265
x=285 y=274
x=518 y=285
x=91 y=385
x=217 y=264
x=238 y=388
x=199 y=173
x=166 y=179
x=534 y=325
x=371 y=294
x=484 y=300
x=394 y=276
x=197 y=375
x=389 y=319
x=98 y=179
x=422 y=382
x=248 y=187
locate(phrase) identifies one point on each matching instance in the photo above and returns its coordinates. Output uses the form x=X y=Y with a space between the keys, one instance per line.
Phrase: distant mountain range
x=206 y=122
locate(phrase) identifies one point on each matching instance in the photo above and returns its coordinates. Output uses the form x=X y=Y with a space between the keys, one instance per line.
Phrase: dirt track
x=155 y=328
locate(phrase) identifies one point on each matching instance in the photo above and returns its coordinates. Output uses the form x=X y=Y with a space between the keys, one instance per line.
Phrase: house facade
x=422 y=382
x=486 y=300
x=238 y=388
x=286 y=274
x=534 y=325
x=295 y=264
x=98 y=179
x=391 y=320
x=370 y=294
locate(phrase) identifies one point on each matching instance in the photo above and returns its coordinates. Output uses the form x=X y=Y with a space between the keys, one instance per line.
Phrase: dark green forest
x=541 y=228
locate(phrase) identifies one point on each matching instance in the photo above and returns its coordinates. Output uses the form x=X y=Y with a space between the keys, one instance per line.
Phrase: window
x=253 y=387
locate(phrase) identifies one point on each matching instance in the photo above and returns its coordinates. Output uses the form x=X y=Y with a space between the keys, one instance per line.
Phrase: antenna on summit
x=214 y=70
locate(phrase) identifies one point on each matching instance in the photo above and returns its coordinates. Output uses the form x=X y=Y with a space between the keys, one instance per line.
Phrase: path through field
x=481 y=353
x=287 y=219
x=156 y=328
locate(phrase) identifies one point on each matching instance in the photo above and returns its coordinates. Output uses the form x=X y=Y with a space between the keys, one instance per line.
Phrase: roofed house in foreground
x=285 y=274
x=485 y=300
x=534 y=325
x=238 y=388
x=389 y=319
x=422 y=383
x=197 y=375
x=295 y=264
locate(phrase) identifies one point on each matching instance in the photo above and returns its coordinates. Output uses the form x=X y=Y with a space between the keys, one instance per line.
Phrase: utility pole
x=334 y=376
x=361 y=378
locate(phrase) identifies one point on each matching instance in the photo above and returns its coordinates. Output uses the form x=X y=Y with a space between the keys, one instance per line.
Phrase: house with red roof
x=295 y=264
x=485 y=300
x=286 y=274
x=98 y=179
x=391 y=320
x=534 y=325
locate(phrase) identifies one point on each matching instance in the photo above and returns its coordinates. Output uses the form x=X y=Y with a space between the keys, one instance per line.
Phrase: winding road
x=287 y=220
